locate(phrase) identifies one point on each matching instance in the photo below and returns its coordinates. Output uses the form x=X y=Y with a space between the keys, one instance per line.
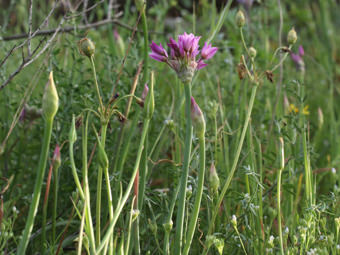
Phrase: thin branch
x=81 y=27
x=29 y=53
x=85 y=3
x=8 y=54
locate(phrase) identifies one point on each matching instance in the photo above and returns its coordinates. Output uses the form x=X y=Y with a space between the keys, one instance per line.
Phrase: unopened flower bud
x=240 y=19
x=168 y=226
x=141 y=100
x=214 y=181
x=150 y=100
x=119 y=42
x=219 y=244
x=50 y=99
x=320 y=117
x=292 y=36
x=56 y=157
x=153 y=226
x=252 y=52
x=72 y=137
x=234 y=220
x=197 y=117
x=210 y=240
x=102 y=157
x=271 y=241
x=189 y=192
x=135 y=214
x=140 y=4
x=86 y=47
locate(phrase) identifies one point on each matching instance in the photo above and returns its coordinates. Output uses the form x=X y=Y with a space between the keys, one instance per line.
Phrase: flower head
x=298 y=59
x=183 y=54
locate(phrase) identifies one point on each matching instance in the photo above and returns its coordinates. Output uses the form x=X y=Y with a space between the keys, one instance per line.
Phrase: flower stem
x=96 y=83
x=234 y=166
x=99 y=187
x=37 y=188
x=282 y=161
x=198 y=197
x=55 y=202
x=122 y=202
x=185 y=172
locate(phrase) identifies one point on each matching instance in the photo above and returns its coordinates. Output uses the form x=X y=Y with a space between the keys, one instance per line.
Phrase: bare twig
x=85 y=3
x=29 y=53
x=71 y=28
x=8 y=54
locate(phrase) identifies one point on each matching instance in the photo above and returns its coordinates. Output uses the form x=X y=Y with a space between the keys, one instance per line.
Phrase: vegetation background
x=280 y=110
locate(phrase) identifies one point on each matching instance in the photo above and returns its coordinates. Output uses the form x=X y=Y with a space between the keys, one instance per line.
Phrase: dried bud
x=252 y=52
x=56 y=157
x=240 y=19
x=292 y=36
x=149 y=100
x=50 y=99
x=214 y=181
x=86 y=47
x=270 y=76
x=197 y=117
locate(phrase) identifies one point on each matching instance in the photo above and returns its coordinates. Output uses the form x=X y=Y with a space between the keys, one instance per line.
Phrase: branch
x=81 y=27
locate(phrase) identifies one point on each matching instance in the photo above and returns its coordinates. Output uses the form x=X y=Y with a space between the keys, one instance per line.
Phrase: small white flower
x=338 y=246
x=333 y=170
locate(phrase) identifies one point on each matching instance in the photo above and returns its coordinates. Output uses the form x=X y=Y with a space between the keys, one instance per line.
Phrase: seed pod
x=240 y=19
x=50 y=99
x=86 y=47
x=292 y=36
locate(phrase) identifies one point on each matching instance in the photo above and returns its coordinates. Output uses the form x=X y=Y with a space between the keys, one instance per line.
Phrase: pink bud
x=301 y=51
x=145 y=91
x=197 y=117
x=56 y=156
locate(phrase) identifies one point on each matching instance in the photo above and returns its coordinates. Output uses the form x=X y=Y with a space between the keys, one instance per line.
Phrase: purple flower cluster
x=183 y=54
x=298 y=59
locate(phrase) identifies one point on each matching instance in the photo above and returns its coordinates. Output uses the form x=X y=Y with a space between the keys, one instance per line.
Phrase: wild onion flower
x=183 y=55
x=298 y=59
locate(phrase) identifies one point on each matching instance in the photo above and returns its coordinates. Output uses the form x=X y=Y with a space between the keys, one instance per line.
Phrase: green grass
x=309 y=197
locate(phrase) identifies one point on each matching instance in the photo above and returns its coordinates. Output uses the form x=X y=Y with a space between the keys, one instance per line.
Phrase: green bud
x=197 y=117
x=219 y=244
x=292 y=36
x=234 y=221
x=210 y=240
x=252 y=52
x=86 y=47
x=240 y=19
x=73 y=134
x=135 y=214
x=149 y=104
x=50 y=99
x=153 y=226
x=140 y=5
x=214 y=181
x=168 y=226
x=102 y=157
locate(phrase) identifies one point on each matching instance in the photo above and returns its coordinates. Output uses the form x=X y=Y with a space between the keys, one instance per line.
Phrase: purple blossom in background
x=298 y=59
x=183 y=55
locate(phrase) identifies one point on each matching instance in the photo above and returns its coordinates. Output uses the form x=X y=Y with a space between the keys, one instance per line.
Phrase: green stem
x=122 y=202
x=185 y=172
x=99 y=187
x=37 y=188
x=88 y=217
x=234 y=166
x=74 y=171
x=55 y=203
x=282 y=160
x=96 y=83
x=146 y=48
x=198 y=197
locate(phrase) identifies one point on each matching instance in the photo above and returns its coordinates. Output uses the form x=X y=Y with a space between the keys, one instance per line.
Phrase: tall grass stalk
x=279 y=174
x=185 y=172
x=198 y=197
